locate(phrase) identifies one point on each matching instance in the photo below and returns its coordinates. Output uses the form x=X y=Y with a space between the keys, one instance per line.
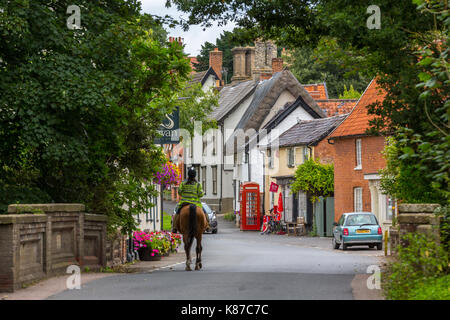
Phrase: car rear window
x=360 y=219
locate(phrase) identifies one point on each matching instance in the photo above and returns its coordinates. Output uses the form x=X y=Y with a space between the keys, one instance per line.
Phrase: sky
x=195 y=37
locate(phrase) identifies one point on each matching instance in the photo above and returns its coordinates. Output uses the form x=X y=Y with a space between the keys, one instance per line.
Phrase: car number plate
x=363 y=231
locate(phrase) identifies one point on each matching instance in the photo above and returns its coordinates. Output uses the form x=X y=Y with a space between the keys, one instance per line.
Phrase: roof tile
x=358 y=121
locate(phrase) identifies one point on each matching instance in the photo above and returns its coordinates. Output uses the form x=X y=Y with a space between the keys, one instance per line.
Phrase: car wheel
x=379 y=246
x=344 y=246
x=335 y=244
x=371 y=246
x=214 y=231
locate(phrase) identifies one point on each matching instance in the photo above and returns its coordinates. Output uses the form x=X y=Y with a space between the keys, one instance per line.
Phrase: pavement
x=241 y=266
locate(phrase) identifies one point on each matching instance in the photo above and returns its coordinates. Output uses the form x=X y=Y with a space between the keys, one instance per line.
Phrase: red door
x=250 y=206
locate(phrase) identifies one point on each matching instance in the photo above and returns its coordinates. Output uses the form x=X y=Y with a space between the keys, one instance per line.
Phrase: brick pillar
x=215 y=61
x=277 y=65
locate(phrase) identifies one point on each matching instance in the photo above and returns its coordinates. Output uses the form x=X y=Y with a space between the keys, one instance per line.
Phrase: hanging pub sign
x=273 y=187
x=169 y=129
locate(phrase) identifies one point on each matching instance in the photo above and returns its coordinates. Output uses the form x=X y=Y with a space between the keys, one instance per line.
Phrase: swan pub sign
x=169 y=129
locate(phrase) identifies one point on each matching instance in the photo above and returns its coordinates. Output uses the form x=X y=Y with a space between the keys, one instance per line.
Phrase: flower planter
x=145 y=254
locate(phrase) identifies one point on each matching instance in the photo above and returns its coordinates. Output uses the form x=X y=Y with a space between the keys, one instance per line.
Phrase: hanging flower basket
x=168 y=175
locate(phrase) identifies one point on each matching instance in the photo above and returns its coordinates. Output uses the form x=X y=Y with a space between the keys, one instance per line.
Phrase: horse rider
x=191 y=192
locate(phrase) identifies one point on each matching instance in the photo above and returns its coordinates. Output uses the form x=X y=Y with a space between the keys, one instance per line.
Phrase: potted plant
x=151 y=246
x=175 y=242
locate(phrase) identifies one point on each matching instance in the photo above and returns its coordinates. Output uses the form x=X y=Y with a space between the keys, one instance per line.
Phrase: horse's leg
x=198 y=260
x=187 y=249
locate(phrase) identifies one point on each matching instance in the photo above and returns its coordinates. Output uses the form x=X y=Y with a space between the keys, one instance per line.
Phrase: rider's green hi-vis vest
x=191 y=193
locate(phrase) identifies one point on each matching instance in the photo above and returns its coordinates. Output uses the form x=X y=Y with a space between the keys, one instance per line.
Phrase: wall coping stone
x=22 y=218
x=49 y=207
x=417 y=207
x=95 y=217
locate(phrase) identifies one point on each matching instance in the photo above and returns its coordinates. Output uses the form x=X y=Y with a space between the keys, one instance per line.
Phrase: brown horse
x=191 y=224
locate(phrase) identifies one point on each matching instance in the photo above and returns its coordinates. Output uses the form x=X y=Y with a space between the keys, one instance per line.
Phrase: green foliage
x=229 y=216
x=315 y=178
x=315 y=66
x=420 y=265
x=196 y=105
x=349 y=94
x=432 y=289
x=79 y=109
x=407 y=175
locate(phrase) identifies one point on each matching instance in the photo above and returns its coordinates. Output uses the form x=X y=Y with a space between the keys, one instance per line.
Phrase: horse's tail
x=192 y=220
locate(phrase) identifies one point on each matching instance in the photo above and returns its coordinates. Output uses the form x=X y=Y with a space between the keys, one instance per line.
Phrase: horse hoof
x=197 y=268
x=188 y=269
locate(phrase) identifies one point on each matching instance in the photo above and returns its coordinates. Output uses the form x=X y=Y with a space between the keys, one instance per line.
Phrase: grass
x=167 y=222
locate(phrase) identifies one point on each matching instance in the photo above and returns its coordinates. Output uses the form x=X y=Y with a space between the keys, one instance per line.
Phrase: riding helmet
x=191 y=172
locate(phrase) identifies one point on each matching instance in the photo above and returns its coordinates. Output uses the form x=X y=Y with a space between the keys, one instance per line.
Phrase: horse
x=191 y=224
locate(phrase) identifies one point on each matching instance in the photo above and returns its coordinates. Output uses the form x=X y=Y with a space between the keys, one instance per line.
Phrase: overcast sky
x=195 y=37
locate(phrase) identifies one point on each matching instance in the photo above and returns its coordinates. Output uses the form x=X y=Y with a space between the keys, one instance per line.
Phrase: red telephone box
x=250 y=206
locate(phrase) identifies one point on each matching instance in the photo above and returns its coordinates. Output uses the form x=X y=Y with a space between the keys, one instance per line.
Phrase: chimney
x=215 y=61
x=277 y=65
x=179 y=40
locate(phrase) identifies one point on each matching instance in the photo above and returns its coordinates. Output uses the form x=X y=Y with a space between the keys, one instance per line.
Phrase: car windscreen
x=361 y=219
x=207 y=209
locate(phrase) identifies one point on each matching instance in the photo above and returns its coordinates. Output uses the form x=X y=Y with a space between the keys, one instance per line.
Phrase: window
x=361 y=219
x=204 y=146
x=214 y=145
x=204 y=179
x=341 y=220
x=214 y=179
x=246 y=157
x=305 y=153
x=270 y=156
x=291 y=160
x=357 y=197
x=358 y=154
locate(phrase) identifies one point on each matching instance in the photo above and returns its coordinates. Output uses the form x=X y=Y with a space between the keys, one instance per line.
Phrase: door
x=295 y=206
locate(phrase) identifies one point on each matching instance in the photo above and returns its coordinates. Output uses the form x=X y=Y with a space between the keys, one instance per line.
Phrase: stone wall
x=41 y=240
x=415 y=218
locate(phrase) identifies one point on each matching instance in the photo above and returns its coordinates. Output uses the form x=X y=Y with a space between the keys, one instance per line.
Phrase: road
x=244 y=265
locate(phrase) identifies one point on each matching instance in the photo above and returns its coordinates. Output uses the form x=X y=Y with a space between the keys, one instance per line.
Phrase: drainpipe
x=264 y=181
x=221 y=171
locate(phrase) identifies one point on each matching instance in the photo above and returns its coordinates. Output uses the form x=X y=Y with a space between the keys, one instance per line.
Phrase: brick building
x=357 y=161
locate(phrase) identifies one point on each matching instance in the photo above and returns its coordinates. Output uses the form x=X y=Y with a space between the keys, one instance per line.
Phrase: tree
x=195 y=105
x=227 y=41
x=311 y=66
x=315 y=178
x=79 y=108
x=350 y=93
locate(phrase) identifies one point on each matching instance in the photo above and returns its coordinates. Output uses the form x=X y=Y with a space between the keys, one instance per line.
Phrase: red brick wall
x=346 y=177
x=324 y=152
x=277 y=65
